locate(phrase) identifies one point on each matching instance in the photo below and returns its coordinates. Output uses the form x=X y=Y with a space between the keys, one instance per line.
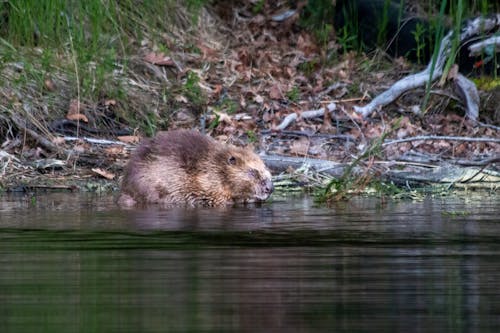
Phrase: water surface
x=74 y=262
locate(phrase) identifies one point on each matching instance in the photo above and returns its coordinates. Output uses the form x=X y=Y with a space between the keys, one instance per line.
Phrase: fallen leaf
x=129 y=138
x=75 y=108
x=49 y=85
x=116 y=150
x=300 y=146
x=109 y=102
x=159 y=59
x=77 y=117
x=275 y=92
x=104 y=173
x=258 y=99
x=79 y=148
x=208 y=52
x=181 y=99
x=58 y=140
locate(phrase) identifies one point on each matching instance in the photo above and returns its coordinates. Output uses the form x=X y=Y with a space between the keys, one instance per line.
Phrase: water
x=77 y=263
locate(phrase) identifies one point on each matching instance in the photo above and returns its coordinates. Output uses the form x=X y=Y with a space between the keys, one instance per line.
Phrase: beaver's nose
x=268 y=186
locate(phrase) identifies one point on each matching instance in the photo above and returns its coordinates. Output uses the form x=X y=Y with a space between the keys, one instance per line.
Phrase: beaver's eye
x=231 y=160
x=253 y=173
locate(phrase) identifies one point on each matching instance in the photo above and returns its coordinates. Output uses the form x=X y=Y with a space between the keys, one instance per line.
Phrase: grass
x=352 y=182
x=86 y=49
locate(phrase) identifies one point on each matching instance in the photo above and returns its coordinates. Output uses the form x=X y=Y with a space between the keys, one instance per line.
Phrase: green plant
x=382 y=24
x=347 y=39
x=343 y=187
x=258 y=6
x=457 y=13
x=214 y=123
x=308 y=67
x=293 y=94
x=252 y=137
x=192 y=89
x=439 y=33
x=419 y=35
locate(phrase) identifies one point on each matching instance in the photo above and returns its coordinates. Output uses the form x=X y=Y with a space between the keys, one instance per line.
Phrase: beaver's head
x=244 y=174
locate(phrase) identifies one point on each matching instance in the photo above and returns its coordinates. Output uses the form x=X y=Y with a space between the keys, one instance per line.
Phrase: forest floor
x=238 y=76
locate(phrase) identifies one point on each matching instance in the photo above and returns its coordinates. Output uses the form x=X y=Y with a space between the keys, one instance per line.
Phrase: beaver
x=184 y=167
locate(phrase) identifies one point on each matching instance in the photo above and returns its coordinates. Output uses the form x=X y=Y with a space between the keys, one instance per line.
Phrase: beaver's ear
x=231 y=160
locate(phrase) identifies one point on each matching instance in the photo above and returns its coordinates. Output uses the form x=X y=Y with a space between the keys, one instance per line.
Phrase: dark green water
x=76 y=263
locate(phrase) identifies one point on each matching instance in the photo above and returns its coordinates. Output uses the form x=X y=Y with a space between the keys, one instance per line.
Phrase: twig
x=437 y=137
x=41 y=140
x=304 y=115
x=468 y=91
x=497 y=128
x=279 y=163
x=484 y=162
x=77 y=76
x=477 y=48
x=96 y=141
x=311 y=135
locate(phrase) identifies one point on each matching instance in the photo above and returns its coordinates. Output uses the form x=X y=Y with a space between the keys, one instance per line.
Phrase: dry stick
x=437 y=137
x=477 y=48
x=304 y=115
x=476 y=26
x=97 y=141
x=43 y=141
x=484 y=162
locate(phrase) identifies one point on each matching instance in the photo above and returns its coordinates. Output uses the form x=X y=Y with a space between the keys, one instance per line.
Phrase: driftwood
x=439 y=137
x=278 y=163
x=97 y=141
x=453 y=175
x=434 y=69
x=449 y=175
x=477 y=48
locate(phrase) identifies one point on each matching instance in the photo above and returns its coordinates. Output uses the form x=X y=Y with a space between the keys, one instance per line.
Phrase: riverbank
x=69 y=117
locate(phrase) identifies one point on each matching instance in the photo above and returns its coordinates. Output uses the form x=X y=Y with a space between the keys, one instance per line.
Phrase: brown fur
x=187 y=168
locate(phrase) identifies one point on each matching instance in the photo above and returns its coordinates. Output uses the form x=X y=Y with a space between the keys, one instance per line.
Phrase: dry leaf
x=109 y=102
x=74 y=111
x=300 y=146
x=116 y=150
x=129 y=138
x=275 y=92
x=79 y=148
x=104 y=173
x=77 y=117
x=208 y=53
x=159 y=59
x=58 y=140
x=49 y=85
x=181 y=99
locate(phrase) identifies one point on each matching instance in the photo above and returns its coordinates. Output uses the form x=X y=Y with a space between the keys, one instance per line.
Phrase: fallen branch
x=477 y=48
x=438 y=137
x=96 y=141
x=468 y=91
x=278 y=163
x=477 y=26
x=304 y=115
x=22 y=125
x=485 y=162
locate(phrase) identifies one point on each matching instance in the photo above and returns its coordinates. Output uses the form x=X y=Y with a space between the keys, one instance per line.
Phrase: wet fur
x=186 y=168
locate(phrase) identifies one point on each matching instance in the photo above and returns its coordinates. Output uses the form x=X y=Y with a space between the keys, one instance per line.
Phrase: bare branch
x=477 y=48
x=438 y=137
x=304 y=115
x=468 y=91
x=474 y=27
